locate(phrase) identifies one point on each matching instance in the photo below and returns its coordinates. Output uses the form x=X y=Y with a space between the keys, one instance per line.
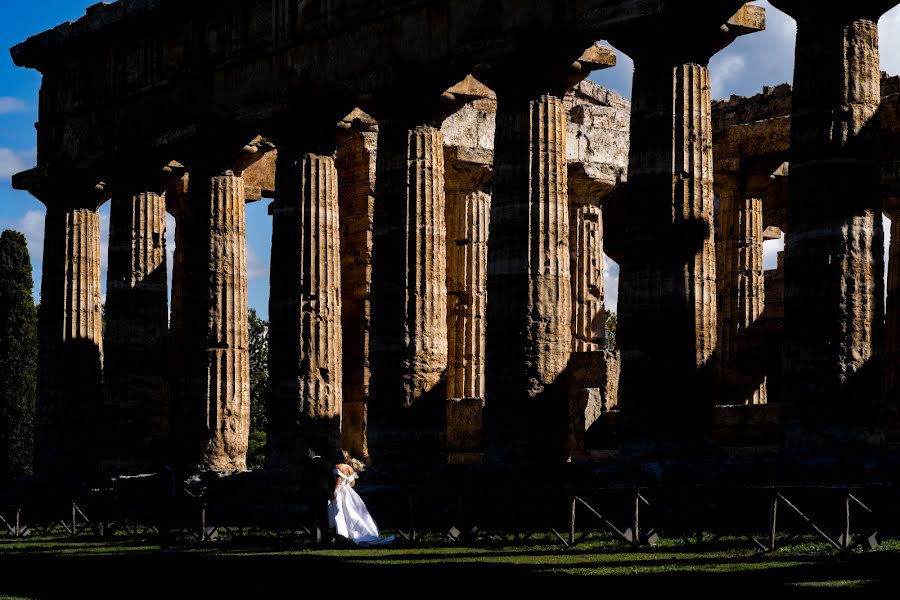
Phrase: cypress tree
x=18 y=356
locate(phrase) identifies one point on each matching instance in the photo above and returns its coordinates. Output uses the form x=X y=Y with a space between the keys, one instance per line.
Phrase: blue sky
x=744 y=68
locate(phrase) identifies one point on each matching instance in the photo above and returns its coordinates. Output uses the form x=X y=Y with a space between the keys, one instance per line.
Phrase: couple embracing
x=336 y=507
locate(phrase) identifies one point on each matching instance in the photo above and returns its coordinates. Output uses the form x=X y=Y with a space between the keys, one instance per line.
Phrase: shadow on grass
x=134 y=570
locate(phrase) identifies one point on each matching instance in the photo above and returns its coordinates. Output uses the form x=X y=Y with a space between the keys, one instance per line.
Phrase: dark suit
x=319 y=484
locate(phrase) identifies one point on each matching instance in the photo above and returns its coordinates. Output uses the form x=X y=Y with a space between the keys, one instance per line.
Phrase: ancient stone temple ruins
x=444 y=187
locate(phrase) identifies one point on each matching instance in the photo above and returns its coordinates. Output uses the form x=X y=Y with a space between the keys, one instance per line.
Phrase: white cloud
x=889 y=32
x=730 y=69
x=780 y=26
x=11 y=105
x=32 y=226
x=256 y=268
x=619 y=77
x=765 y=58
x=15 y=161
x=610 y=284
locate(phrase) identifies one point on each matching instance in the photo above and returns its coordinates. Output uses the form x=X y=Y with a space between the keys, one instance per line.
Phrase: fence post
x=846 y=543
x=636 y=539
x=773 y=521
x=572 y=522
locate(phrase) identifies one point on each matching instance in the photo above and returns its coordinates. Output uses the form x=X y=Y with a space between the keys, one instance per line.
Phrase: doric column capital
x=689 y=35
x=467 y=169
x=585 y=188
x=222 y=153
x=142 y=177
x=423 y=105
x=533 y=76
x=66 y=190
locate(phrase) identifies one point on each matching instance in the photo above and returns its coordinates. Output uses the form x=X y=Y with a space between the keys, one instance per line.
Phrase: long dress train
x=350 y=517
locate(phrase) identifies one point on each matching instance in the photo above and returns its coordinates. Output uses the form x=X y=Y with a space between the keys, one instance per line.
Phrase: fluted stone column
x=587 y=263
x=834 y=251
x=409 y=289
x=468 y=217
x=355 y=164
x=529 y=333
x=305 y=390
x=741 y=296
x=136 y=408
x=212 y=401
x=892 y=322
x=71 y=348
x=667 y=297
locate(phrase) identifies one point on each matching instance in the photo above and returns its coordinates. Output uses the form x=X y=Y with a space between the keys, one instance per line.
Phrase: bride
x=346 y=510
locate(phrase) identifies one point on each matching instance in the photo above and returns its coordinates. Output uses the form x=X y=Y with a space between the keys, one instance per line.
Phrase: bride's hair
x=357 y=465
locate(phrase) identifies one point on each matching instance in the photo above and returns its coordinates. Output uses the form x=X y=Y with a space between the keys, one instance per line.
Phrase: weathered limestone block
x=833 y=257
x=585 y=407
x=741 y=297
x=71 y=346
x=355 y=164
x=598 y=140
x=529 y=333
x=465 y=430
x=305 y=389
x=667 y=298
x=135 y=415
x=593 y=379
x=611 y=390
x=212 y=385
x=408 y=350
x=471 y=129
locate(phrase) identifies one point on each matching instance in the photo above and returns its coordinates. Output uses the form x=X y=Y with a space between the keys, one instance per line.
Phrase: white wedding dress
x=350 y=517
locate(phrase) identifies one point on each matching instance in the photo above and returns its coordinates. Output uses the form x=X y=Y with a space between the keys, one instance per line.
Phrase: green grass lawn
x=58 y=567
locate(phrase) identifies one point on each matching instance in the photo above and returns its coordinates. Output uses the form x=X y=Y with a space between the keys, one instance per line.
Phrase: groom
x=319 y=484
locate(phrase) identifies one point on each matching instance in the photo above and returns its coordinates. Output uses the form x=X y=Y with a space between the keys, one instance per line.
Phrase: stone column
x=741 y=295
x=834 y=249
x=667 y=297
x=409 y=288
x=529 y=333
x=212 y=397
x=136 y=407
x=71 y=348
x=592 y=374
x=586 y=266
x=305 y=389
x=468 y=216
x=892 y=322
x=355 y=164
